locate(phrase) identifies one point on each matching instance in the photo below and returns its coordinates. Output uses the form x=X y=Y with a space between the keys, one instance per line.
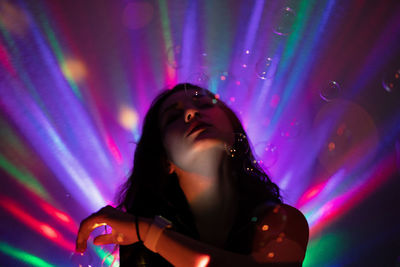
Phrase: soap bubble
x=291 y=129
x=330 y=91
x=199 y=79
x=245 y=59
x=284 y=21
x=78 y=259
x=263 y=68
x=391 y=81
x=267 y=152
x=229 y=85
x=174 y=55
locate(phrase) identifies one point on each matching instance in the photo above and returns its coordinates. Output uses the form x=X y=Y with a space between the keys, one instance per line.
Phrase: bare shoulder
x=281 y=234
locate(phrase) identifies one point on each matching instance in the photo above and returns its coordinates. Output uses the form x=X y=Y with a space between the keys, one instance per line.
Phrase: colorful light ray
x=40 y=227
x=339 y=205
x=68 y=118
x=23 y=256
x=24 y=177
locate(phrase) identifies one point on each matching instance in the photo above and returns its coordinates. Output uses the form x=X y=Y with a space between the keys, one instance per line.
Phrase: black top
x=240 y=239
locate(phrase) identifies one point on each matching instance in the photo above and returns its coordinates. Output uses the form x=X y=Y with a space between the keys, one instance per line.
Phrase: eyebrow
x=176 y=104
x=171 y=107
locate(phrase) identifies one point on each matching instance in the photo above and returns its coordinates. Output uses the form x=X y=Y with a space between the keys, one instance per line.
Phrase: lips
x=196 y=125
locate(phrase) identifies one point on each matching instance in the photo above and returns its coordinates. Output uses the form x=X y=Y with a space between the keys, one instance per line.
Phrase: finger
x=86 y=228
x=104 y=240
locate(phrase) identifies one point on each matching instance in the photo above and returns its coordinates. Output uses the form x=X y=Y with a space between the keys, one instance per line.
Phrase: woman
x=193 y=166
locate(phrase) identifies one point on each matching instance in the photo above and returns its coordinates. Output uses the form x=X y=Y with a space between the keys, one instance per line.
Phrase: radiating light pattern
x=315 y=84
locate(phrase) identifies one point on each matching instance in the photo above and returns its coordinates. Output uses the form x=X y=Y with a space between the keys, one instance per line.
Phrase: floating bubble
x=228 y=85
x=391 y=81
x=174 y=55
x=68 y=195
x=202 y=59
x=330 y=91
x=284 y=21
x=267 y=152
x=352 y=134
x=291 y=129
x=78 y=259
x=245 y=59
x=200 y=79
x=263 y=68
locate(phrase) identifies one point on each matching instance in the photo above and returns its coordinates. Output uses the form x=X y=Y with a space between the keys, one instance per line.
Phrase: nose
x=190 y=114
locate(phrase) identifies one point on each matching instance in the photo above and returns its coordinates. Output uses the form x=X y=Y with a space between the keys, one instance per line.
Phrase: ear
x=171 y=167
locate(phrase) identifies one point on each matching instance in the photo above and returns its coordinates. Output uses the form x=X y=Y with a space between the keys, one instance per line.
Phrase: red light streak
x=5 y=60
x=340 y=205
x=311 y=194
x=47 y=231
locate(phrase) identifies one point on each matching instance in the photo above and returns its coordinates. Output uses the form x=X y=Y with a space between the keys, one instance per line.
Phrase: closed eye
x=172 y=117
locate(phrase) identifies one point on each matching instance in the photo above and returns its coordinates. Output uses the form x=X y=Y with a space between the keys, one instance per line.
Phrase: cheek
x=173 y=144
x=225 y=127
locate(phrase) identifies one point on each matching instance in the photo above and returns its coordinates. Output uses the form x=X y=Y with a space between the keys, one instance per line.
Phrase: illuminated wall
x=316 y=84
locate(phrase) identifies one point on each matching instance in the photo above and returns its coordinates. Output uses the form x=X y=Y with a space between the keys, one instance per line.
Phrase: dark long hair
x=151 y=190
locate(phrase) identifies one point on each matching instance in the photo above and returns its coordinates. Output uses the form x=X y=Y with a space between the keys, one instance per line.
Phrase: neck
x=208 y=189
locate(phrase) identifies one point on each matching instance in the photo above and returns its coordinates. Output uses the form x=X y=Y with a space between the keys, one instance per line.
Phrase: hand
x=122 y=224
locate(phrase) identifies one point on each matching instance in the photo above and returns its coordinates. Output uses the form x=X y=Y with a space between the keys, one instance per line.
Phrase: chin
x=208 y=144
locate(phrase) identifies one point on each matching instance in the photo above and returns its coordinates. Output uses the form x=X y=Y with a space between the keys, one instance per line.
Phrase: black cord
x=137 y=228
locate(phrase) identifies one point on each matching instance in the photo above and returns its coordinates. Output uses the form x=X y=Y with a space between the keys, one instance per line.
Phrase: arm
x=178 y=249
x=283 y=243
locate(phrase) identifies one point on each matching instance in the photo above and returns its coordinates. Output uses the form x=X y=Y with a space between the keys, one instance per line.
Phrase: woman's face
x=193 y=126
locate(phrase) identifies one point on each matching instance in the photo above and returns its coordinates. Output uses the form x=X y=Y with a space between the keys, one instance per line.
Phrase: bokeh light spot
x=74 y=69
x=331 y=146
x=275 y=101
x=391 y=81
x=13 y=18
x=81 y=259
x=128 y=117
